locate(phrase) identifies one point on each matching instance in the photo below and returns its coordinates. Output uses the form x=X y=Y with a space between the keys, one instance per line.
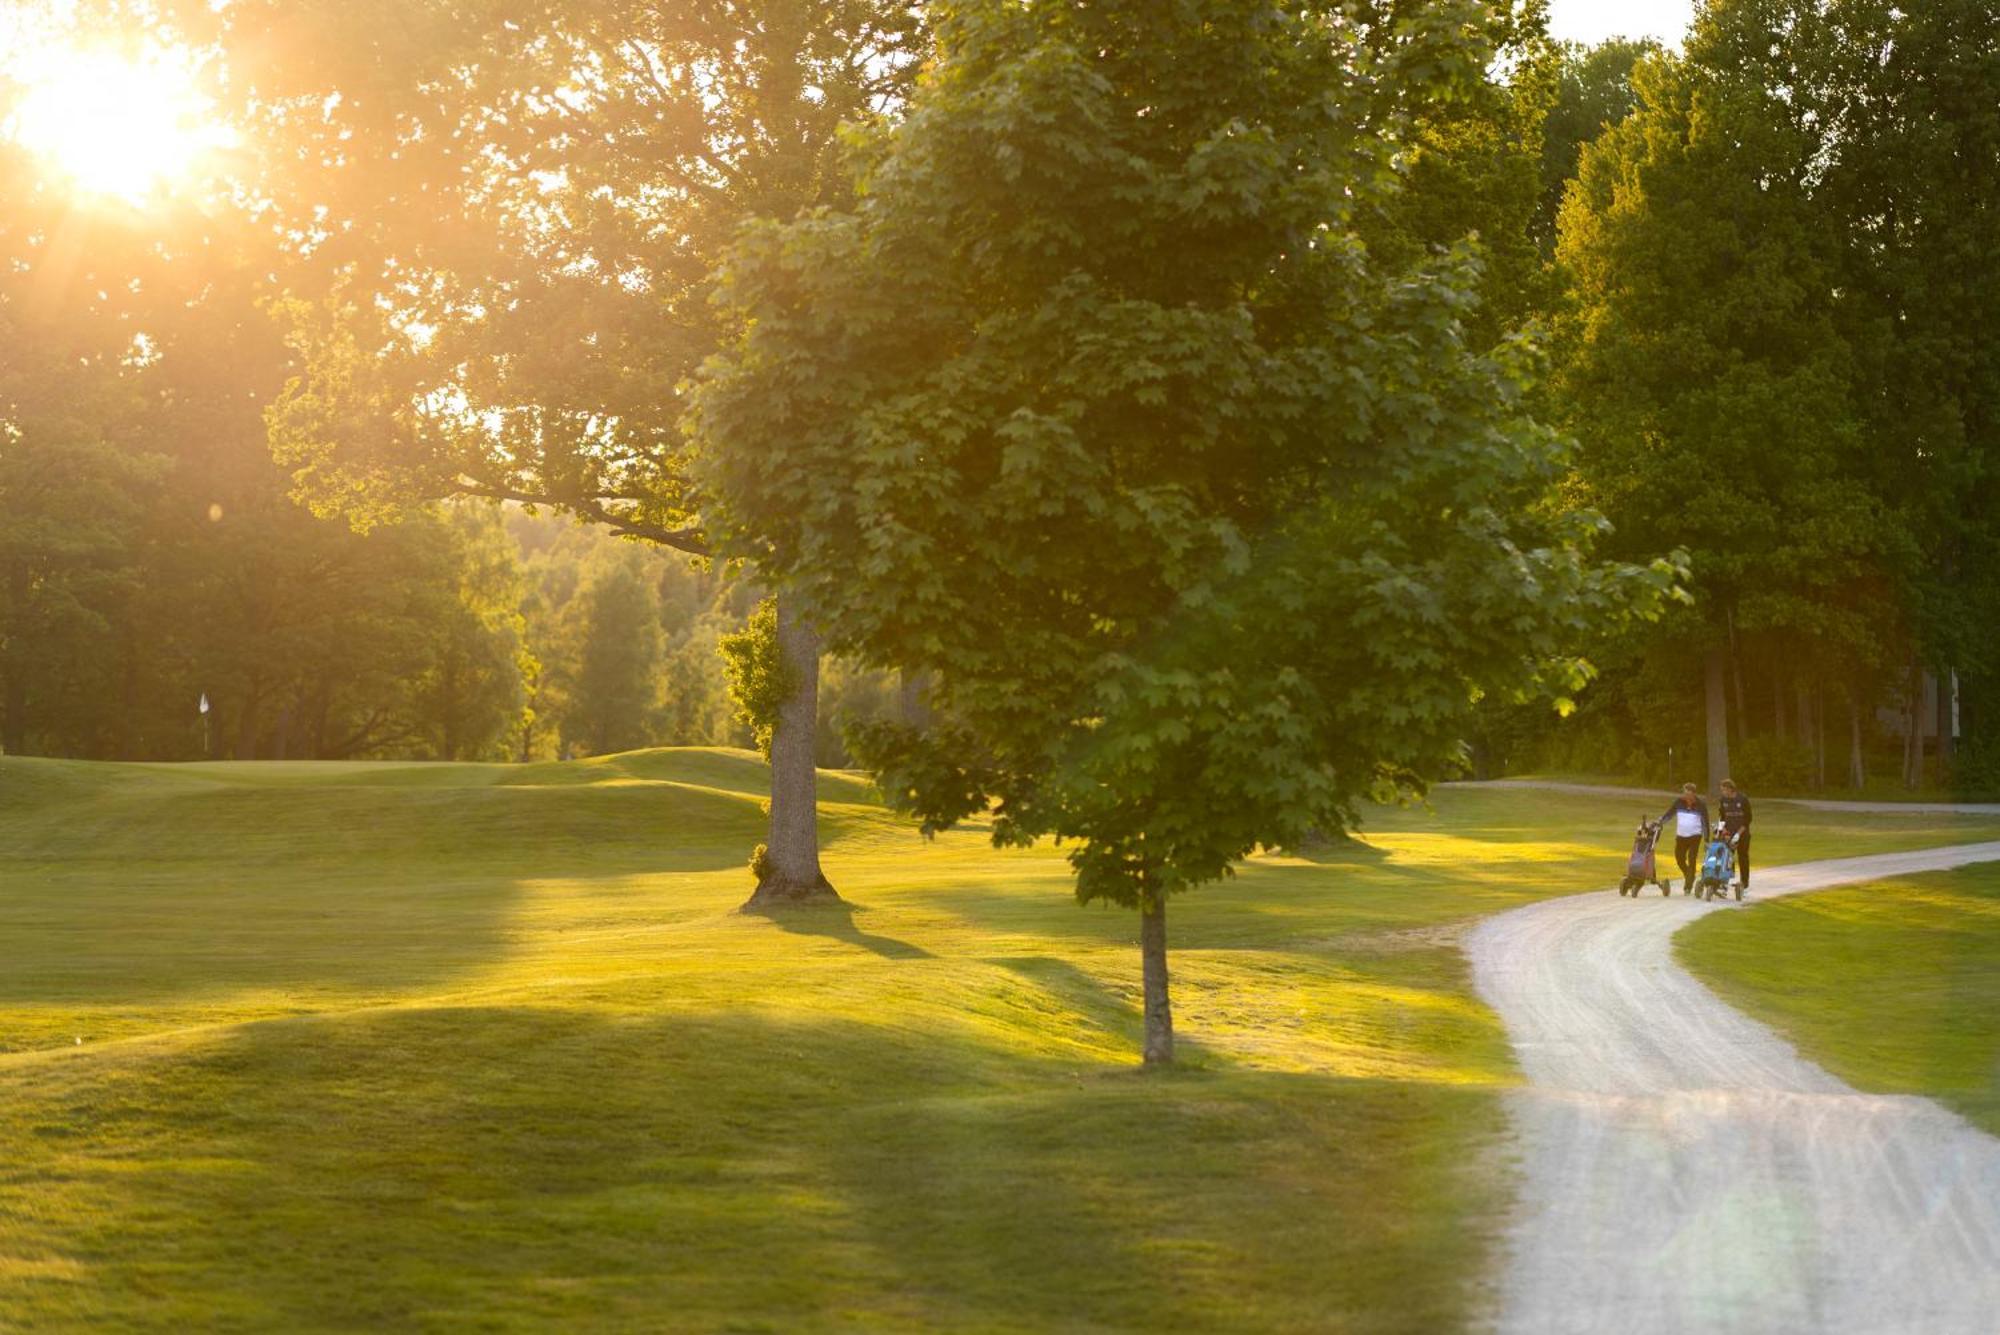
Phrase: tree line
x=1774 y=341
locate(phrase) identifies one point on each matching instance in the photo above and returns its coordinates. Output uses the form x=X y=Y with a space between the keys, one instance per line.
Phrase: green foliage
x=1772 y=764
x=759 y=679
x=1770 y=352
x=1468 y=166
x=1205 y=523
x=476 y=687
x=500 y=222
x=149 y=554
x=1593 y=91
x=616 y=689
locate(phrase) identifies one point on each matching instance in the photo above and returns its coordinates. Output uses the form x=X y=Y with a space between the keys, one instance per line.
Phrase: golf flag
x=204 y=702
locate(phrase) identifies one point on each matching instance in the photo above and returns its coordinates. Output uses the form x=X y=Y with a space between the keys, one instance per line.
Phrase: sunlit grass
x=413 y=1046
x=1893 y=987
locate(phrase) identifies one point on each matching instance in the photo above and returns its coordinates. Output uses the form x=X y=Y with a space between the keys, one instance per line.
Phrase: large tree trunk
x=1736 y=681
x=1815 y=707
x=791 y=873
x=1153 y=966
x=1913 y=730
x=1857 y=768
x=1947 y=693
x=1716 y=670
x=1778 y=723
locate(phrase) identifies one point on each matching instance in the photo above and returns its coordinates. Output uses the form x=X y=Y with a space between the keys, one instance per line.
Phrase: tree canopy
x=1095 y=408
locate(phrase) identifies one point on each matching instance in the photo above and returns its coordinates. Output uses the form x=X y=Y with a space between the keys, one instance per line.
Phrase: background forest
x=1760 y=271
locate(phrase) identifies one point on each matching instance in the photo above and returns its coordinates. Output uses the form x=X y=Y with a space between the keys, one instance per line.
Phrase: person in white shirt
x=1689 y=815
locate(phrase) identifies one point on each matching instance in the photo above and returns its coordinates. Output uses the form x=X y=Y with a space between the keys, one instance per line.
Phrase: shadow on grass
x=1337 y=851
x=836 y=922
x=1083 y=992
x=519 y=1167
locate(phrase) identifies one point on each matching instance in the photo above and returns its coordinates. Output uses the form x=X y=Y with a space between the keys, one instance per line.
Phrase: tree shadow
x=836 y=922
x=1345 y=850
x=1083 y=993
x=514 y=1166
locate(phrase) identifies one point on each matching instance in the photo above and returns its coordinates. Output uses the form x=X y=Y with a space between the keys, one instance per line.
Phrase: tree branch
x=593 y=508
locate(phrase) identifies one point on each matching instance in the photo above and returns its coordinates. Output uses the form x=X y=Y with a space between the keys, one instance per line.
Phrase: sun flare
x=119 y=126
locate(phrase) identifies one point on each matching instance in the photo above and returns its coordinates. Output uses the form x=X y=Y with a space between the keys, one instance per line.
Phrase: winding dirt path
x=1685 y=1170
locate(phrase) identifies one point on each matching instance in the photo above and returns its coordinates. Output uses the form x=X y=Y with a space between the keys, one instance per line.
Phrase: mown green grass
x=1893 y=987
x=319 y=1047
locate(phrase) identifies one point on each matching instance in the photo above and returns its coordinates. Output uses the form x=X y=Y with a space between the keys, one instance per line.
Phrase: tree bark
x=1778 y=721
x=1947 y=690
x=1815 y=708
x=1913 y=730
x=1857 y=768
x=1153 y=967
x=791 y=873
x=1716 y=670
x=1736 y=680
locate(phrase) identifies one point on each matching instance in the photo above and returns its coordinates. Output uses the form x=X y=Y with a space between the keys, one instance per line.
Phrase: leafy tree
x=757 y=673
x=503 y=215
x=1706 y=376
x=149 y=553
x=616 y=691
x=1905 y=102
x=1468 y=164
x=72 y=484
x=1593 y=91
x=1203 y=523
x=474 y=690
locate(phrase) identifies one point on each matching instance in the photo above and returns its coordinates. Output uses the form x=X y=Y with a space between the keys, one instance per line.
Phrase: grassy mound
x=315 y=1047
x=1893 y=987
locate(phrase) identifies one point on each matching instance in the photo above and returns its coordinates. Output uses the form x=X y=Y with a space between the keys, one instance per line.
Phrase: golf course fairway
x=319 y=1047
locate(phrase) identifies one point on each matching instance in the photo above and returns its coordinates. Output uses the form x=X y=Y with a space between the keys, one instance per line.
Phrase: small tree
x=1095 y=410
x=615 y=695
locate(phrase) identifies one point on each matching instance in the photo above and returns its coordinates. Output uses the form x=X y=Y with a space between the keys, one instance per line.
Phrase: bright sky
x=1595 y=20
x=122 y=124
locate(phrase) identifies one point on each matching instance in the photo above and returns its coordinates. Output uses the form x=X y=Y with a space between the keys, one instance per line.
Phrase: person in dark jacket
x=1734 y=807
x=1689 y=815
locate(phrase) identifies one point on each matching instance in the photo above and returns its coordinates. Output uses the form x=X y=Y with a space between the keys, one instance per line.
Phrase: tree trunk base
x=1159 y=1011
x=784 y=892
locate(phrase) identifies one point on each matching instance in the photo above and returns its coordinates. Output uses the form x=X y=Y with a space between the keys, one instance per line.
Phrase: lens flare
x=125 y=127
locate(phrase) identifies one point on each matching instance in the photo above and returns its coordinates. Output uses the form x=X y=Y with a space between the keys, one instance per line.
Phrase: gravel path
x=1685 y=1170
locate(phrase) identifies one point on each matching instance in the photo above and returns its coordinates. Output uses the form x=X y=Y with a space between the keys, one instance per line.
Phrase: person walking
x=1734 y=808
x=1690 y=817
